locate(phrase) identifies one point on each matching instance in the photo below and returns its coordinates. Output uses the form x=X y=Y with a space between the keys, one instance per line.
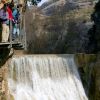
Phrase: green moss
x=84 y=59
x=11 y=97
x=2 y=96
x=86 y=63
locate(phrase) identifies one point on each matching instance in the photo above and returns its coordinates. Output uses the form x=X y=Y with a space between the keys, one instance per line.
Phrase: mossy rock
x=1 y=78
x=95 y=87
x=3 y=96
x=11 y=97
x=84 y=59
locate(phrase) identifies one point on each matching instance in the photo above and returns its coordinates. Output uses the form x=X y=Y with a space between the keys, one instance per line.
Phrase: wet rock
x=96 y=76
x=1 y=79
x=89 y=69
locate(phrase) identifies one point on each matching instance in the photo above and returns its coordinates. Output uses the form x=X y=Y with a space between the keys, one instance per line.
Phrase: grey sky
x=42 y=2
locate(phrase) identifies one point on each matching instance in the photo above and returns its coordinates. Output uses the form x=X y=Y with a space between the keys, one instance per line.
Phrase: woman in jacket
x=5 y=23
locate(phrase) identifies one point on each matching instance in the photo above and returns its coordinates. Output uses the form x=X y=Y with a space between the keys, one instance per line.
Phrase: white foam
x=45 y=78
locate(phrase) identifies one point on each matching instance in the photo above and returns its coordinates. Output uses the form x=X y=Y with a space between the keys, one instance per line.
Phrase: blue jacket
x=15 y=14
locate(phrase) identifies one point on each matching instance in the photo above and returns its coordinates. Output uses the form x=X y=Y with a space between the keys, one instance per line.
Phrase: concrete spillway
x=45 y=77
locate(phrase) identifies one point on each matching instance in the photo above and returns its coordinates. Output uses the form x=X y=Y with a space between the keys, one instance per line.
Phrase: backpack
x=15 y=14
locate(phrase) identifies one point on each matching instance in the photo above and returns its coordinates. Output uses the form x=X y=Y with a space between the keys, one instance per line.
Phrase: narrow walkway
x=14 y=45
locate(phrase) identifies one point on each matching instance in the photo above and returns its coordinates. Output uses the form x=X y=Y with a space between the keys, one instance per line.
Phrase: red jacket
x=9 y=13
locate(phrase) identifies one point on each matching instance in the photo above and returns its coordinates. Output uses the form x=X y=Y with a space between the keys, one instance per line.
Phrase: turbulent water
x=45 y=77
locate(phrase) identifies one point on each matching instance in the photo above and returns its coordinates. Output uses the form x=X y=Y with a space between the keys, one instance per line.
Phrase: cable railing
x=19 y=40
x=10 y=34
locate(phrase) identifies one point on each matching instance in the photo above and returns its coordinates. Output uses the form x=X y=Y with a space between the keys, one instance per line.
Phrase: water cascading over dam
x=45 y=77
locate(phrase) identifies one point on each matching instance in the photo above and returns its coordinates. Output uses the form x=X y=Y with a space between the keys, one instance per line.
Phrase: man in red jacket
x=9 y=13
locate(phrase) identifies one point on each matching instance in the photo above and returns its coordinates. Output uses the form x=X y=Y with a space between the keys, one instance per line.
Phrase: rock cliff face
x=49 y=8
x=94 y=32
x=4 y=92
x=46 y=34
x=61 y=31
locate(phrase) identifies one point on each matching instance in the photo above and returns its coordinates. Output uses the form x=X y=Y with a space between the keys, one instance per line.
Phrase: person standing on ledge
x=5 y=22
x=16 y=15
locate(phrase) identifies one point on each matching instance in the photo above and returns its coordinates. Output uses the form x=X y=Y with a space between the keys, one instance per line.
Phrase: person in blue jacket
x=16 y=15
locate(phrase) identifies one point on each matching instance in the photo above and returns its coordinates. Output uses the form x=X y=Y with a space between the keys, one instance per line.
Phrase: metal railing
x=21 y=39
x=10 y=34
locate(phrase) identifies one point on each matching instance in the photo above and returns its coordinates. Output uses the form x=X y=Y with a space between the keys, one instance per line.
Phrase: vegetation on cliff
x=94 y=32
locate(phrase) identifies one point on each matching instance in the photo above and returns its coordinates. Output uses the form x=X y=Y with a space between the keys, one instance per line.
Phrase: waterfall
x=45 y=77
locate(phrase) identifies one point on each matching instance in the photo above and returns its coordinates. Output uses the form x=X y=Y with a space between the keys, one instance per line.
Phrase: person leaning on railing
x=1 y=6
x=16 y=15
x=6 y=17
x=4 y=21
